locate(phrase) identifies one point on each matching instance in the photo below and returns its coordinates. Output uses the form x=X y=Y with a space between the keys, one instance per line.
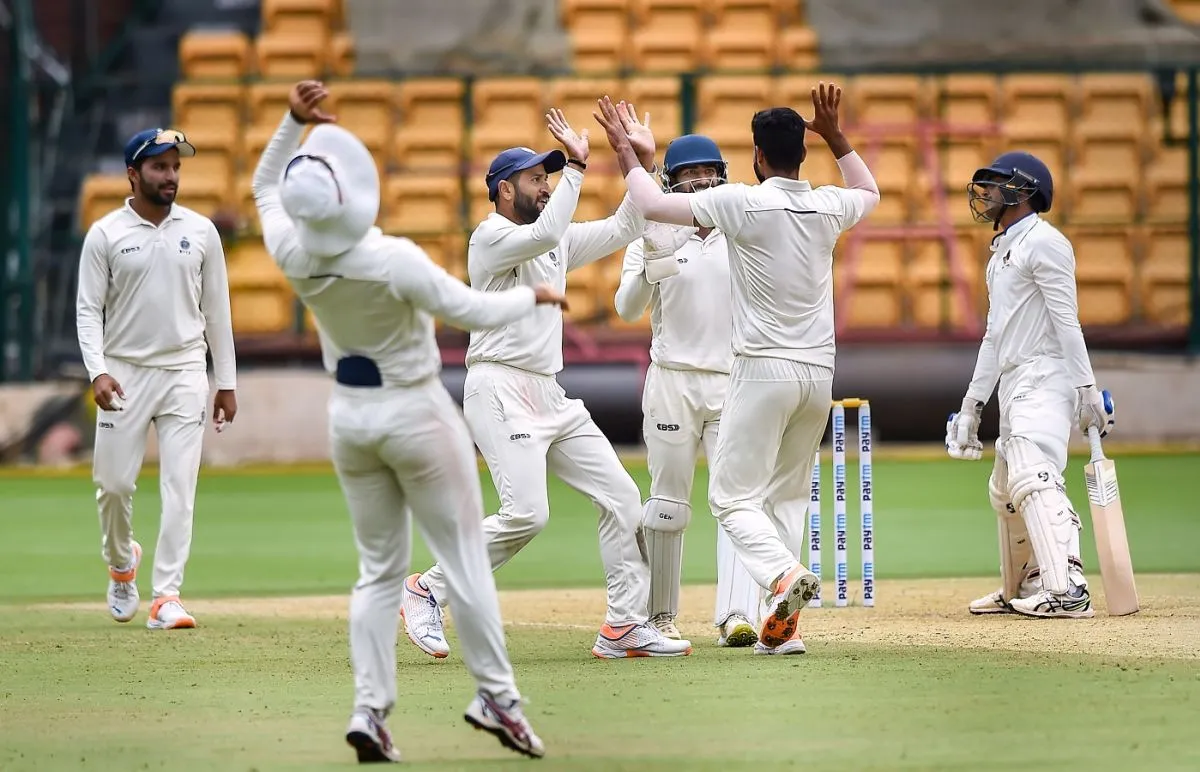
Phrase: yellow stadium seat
x=368 y=106
x=342 y=54
x=478 y=207
x=576 y=97
x=291 y=56
x=1164 y=277
x=819 y=166
x=1104 y=264
x=887 y=99
x=1100 y=197
x=101 y=194
x=430 y=135
x=726 y=104
x=266 y=104
x=1111 y=156
x=583 y=294
x=660 y=97
x=680 y=15
x=871 y=283
x=447 y=250
x=1187 y=10
x=968 y=100
x=298 y=17
x=1166 y=186
x=1113 y=105
x=244 y=197
x=214 y=108
x=960 y=157
x=213 y=167
x=656 y=50
x=1051 y=149
x=259 y=296
x=214 y=55
x=599 y=32
x=795 y=91
x=744 y=35
x=421 y=204
x=596 y=196
x=1039 y=104
x=933 y=278
x=509 y=112
x=798 y=49
x=206 y=195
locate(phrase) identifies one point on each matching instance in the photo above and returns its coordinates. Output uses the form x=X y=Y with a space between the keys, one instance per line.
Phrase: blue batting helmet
x=1019 y=176
x=692 y=150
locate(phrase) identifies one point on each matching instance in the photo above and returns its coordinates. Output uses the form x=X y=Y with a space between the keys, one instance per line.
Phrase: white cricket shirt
x=1033 y=309
x=155 y=295
x=503 y=254
x=781 y=235
x=691 y=313
x=376 y=299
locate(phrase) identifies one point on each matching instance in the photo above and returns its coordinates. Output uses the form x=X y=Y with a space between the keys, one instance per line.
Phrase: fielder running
x=1034 y=348
x=153 y=301
x=521 y=418
x=781 y=235
x=683 y=275
x=399 y=444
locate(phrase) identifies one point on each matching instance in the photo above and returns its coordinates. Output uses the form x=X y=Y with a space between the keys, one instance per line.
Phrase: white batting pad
x=663 y=522
x=1038 y=494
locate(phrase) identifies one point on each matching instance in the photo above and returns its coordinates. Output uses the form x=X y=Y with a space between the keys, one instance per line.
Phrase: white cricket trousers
x=681 y=411
x=173 y=402
x=773 y=422
x=524 y=424
x=399 y=452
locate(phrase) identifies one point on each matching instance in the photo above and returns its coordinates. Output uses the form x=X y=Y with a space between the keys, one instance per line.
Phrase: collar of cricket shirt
x=1004 y=240
x=330 y=190
x=787 y=183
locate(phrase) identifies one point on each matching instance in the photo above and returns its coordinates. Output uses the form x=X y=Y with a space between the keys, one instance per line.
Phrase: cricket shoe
x=123 y=598
x=507 y=722
x=665 y=624
x=1075 y=603
x=368 y=735
x=794 y=646
x=737 y=632
x=641 y=640
x=793 y=591
x=992 y=603
x=167 y=613
x=423 y=618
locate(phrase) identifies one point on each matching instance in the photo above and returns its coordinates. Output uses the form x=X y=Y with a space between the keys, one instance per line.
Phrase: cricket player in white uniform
x=1033 y=348
x=153 y=301
x=682 y=274
x=520 y=417
x=399 y=444
x=781 y=235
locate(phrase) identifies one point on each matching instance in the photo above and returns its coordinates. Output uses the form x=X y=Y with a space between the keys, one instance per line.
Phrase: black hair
x=779 y=133
x=137 y=167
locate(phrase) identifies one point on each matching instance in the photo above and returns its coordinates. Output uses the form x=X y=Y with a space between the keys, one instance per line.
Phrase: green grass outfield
x=913 y=684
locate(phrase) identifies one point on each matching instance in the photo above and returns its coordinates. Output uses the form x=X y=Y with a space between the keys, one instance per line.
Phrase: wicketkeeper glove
x=659 y=244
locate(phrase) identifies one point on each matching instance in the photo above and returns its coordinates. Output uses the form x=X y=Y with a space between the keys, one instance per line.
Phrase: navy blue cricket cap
x=152 y=142
x=518 y=159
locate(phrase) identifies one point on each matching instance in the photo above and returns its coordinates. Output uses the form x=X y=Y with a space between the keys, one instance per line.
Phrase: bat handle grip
x=1093 y=435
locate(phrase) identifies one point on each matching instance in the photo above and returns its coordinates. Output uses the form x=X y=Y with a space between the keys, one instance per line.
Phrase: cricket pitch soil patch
x=926 y=612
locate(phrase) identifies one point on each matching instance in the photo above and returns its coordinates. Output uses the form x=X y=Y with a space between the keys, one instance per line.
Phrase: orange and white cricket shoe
x=637 y=640
x=123 y=598
x=793 y=645
x=167 y=613
x=792 y=593
x=422 y=617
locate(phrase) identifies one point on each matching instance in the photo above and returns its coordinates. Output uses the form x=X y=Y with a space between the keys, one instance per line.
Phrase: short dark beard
x=525 y=207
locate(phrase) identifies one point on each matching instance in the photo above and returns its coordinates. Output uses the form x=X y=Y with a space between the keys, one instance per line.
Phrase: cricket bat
x=1108 y=523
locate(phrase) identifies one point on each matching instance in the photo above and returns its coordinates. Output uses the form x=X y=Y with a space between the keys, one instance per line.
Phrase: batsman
x=1033 y=348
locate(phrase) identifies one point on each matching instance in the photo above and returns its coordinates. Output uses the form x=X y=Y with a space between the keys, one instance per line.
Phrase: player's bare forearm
x=839 y=145
x=627 y=159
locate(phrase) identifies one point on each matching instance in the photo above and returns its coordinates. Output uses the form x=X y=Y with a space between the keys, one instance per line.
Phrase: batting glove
x=962 y=431
x=659 y=244
x=1095 y=408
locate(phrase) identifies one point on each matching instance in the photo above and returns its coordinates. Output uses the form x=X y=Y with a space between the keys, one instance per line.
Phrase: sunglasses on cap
x=163 y=137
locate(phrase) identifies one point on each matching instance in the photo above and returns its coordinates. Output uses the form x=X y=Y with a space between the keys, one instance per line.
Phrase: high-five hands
x=622 y=127
x=826 y=99
x=575 y=144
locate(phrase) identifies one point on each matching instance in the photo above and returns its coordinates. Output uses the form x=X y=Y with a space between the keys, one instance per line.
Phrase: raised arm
x=304 y=102
x=861 y=194
x=214 y=305
x=507 y=245
x=90 y=299
x=417 y=279
x=587 y=242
